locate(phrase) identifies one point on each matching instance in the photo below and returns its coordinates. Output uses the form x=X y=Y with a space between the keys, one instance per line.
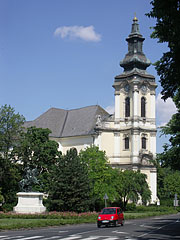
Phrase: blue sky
x=66 y=53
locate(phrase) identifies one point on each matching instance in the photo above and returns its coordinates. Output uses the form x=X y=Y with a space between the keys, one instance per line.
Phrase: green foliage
x=101 y=176
x=70 y=189
x=167 y=29
x=131 y=185
x=1 y=197
x=1 y=200
x=168 y=182
x=161 y=175
x=171 y=184
x=52 y=215
x=36 y=151
x=171 y=155
x=10 y=131
x=130 y=207
x=8 y=207
x=168 y=202
x=150 y=208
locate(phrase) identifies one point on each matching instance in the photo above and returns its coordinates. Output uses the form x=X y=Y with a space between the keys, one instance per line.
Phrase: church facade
x=129 y=135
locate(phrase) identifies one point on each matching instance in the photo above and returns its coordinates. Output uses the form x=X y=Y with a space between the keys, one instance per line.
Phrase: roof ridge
x=50 y=109
x=83 y=107
x=64 y=124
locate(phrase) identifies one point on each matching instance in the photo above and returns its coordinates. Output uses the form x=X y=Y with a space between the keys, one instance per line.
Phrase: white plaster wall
x=153 y=186
x=152 y=182
x=153 y=144
x=107 y=142
x=79 y=143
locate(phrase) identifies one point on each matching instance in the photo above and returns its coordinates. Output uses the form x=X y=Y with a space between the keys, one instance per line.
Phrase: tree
x=171 y=155
x=171 y=185
x=131 y=185
x=36 y=151
x=168 y=185
x=167 y=182
x=1 y=199
x=69 y=189
x=101 y=175
x=167 y=29
x=11 y=127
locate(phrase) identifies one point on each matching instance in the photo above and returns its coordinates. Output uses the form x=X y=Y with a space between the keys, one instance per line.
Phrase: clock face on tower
x=144 y=88
x=126 y=88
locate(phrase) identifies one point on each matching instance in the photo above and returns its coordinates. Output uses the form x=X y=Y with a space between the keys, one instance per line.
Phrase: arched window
x=143 y=107
x=143 y=143
x=126 y=142
x=127 y=107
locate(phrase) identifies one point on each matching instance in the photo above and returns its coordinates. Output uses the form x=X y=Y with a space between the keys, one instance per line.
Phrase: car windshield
x=109 y=211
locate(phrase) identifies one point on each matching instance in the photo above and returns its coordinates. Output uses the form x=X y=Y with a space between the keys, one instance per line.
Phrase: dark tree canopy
x=70 y=188
x=167 y=29
x=101 y=175
x=11 y=127
x=36 y=151
x=131 y=185
x=171 y=155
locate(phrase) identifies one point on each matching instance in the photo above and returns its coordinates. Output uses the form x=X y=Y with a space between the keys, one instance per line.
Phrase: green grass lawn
x=13 y=223
x=18 y=221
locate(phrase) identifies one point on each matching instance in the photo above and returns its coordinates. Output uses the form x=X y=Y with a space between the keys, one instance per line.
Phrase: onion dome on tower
x=135 y=61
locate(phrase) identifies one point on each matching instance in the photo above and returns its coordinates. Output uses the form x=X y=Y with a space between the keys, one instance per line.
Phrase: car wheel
x=98 y=225
x=122 y=223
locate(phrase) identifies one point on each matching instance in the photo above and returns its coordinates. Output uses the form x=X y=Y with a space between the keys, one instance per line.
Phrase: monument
x=29 y=201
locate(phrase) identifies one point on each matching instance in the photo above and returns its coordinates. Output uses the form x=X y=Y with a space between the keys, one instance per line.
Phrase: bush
x=86 y=216
x=167 y=202
x=7 y=207
x=178 y=209
x=154 y=208
x=130 y=207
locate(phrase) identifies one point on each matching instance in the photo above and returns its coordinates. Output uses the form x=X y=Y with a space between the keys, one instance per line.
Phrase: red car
x=110 y=216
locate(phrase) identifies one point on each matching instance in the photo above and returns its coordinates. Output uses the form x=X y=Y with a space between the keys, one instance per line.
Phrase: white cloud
x=164 y=110
x=84 y=33
x=110 y=109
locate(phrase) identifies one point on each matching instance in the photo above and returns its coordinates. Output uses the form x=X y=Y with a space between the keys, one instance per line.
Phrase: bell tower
x=134 y=119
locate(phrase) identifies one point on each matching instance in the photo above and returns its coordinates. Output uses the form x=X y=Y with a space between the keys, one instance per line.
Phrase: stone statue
x=98 y=121
x=29 y=180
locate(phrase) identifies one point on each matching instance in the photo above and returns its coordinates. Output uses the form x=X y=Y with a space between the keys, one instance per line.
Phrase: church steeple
x=135 y=60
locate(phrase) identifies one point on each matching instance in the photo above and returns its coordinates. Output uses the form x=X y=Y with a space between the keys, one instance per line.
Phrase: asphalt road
x=161 y=228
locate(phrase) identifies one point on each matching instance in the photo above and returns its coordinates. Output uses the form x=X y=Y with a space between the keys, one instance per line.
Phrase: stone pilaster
x=117 y=106
x=116 y=146
x=135 y=146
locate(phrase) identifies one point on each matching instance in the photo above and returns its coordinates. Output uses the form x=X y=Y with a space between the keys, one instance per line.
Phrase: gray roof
x=68 y=123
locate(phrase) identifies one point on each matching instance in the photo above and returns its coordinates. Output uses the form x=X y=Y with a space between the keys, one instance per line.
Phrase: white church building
x=129 y=135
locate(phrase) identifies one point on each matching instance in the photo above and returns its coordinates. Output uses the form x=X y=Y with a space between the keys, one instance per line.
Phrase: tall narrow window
x=127 y=107
x=143 y=143
x=143 y=107
x=126 y=140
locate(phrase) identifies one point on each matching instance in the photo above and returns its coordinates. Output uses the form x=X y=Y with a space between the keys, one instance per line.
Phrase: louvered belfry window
x=127 y=107
x=143 y=107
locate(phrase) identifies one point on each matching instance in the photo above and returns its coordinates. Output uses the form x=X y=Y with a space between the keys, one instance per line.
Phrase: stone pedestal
x=29 y=202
